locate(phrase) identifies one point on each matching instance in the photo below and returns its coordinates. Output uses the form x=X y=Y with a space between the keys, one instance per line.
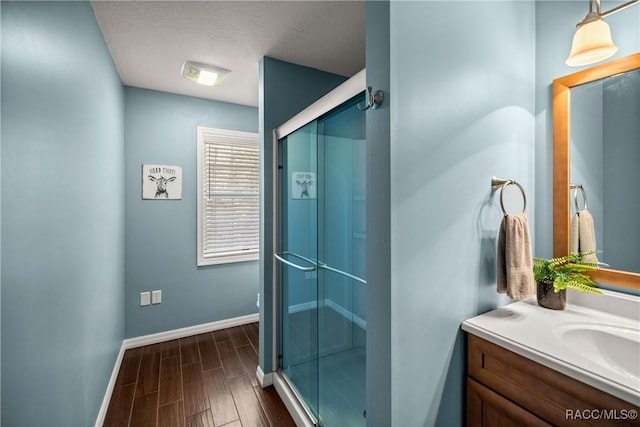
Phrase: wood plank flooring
x=205 y=380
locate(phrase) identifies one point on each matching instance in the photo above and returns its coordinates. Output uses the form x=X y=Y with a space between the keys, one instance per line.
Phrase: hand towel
x=574 y=238
x=501 y=274
x=587 y=237
x=514 y=261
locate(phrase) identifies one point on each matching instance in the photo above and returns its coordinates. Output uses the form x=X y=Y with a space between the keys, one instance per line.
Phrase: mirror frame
x=561 y=164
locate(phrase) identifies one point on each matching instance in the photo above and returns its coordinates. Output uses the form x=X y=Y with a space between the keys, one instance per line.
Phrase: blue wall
x=160 y=242
x=378 y=251
x=555 y=26
x=461 y=111
x=285 y=89
x=62 y=214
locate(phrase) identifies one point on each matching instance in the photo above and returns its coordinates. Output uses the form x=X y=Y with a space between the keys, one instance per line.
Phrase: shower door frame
x=345 y=91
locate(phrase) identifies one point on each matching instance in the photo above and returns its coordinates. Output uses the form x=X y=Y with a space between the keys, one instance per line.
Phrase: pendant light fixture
x=592 y=41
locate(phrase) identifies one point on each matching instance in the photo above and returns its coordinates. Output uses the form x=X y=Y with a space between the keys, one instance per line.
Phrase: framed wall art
x=161 y=182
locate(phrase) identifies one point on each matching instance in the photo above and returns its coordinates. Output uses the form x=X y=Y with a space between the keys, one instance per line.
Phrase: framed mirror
x=584 y=104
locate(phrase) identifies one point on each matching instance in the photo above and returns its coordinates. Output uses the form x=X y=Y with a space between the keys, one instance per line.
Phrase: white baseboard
x=304 y=306
x=346 y=313
x=166 y=336
x=265 y=380
x=102 y=414
x=296 y=308
x=188 y=331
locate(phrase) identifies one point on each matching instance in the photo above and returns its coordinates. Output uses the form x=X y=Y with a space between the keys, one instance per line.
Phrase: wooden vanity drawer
x=486 y=408
x=540 y=390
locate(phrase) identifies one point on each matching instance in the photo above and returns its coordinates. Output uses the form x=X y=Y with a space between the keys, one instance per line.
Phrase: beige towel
x=514 y=261
x=574 y=240
x=587 y=237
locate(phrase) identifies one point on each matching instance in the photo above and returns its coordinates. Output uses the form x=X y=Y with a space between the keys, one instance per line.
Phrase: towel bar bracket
x=498 y=182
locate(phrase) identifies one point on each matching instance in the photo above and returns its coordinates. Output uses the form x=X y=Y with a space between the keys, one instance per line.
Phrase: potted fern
x=554 y=276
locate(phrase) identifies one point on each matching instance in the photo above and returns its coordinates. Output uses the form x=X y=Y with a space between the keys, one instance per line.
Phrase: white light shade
x=591 y=43
x=203 y=74
x=207 y=78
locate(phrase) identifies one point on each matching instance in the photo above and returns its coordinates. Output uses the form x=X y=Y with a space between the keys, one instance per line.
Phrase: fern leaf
x=583 y=287
x=583 y=267
x=559 y=261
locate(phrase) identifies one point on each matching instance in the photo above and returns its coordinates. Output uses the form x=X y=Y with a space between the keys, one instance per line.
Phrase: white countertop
x=540 y=334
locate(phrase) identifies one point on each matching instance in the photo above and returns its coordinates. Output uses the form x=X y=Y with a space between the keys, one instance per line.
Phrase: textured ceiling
x=150 y=40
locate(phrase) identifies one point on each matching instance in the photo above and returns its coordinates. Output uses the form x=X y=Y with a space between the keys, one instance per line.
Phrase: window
x=228 y=196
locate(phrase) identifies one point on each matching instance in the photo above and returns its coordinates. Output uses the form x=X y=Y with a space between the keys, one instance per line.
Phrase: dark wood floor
x=204 y=380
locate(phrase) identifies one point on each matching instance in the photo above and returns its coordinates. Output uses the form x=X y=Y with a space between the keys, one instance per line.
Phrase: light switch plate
x=145 y=298
x=156 y=297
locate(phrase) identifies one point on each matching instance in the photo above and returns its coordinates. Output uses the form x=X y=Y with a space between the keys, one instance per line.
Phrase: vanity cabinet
x=506 y=389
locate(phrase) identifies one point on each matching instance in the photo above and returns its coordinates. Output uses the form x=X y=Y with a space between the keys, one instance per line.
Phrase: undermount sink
x=611 y=346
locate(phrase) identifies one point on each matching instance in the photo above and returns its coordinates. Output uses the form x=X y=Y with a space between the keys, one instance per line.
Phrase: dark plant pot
x=548 y=298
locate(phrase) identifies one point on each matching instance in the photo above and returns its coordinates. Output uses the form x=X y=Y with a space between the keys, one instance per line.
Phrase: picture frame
x=161 y=182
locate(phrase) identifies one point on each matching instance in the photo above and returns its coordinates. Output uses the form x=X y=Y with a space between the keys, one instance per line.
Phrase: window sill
x=230 y=259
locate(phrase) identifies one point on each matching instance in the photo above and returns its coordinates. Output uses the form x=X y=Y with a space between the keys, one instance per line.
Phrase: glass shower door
x=298 y=216
x=341 y=271
x=321 y=264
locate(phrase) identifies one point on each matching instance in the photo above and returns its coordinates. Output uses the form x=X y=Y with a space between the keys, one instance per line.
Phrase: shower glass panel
x=298 y=266
x=322 y=264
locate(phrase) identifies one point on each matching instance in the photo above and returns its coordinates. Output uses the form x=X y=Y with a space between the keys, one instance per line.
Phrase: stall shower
x=320 y=257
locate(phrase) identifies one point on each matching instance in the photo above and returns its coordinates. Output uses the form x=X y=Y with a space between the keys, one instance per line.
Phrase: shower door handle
x=296 y=266
x=343 y=273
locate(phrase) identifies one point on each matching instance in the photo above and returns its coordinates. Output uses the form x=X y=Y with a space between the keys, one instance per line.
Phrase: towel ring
x=575 y=196
x=504 y=183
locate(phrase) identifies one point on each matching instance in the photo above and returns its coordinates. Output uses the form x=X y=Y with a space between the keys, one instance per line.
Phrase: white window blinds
x=228 y=196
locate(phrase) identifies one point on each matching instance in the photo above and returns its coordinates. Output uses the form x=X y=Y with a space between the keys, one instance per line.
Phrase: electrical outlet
x=156 y=297
x=145 y=298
